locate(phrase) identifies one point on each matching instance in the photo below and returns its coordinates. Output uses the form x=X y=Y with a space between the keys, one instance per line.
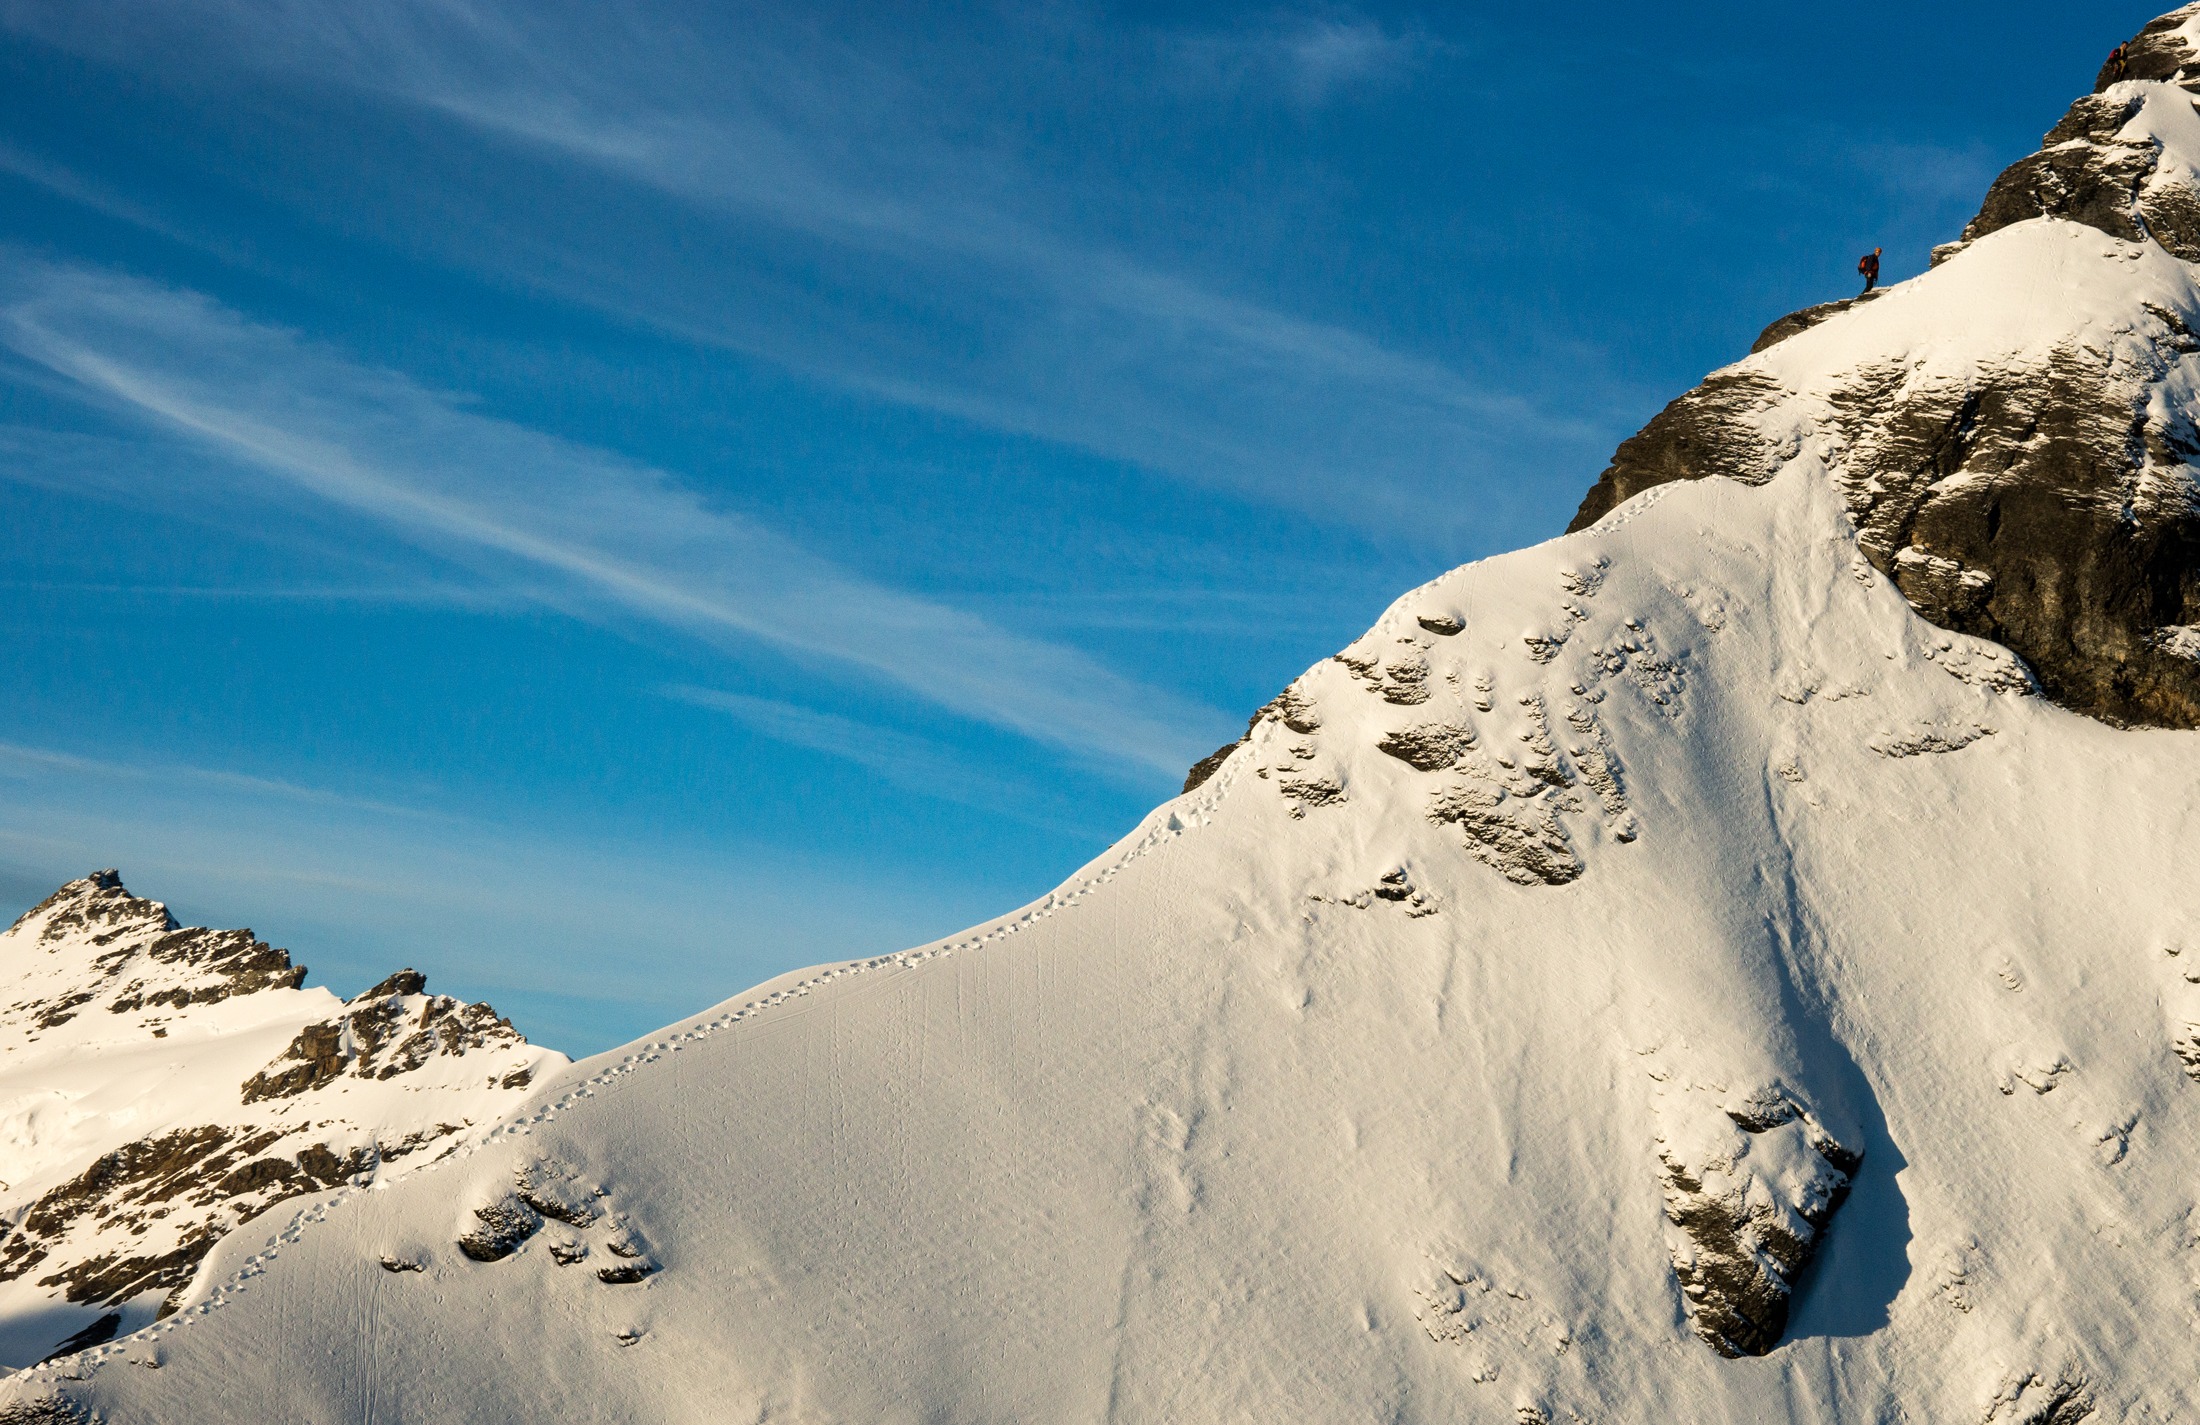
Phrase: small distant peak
x=404 y=982
x=99 y=896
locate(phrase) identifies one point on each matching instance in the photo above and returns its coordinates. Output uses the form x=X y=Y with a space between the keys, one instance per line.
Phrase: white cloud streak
x=19 y=762
x=610 y=538
x=1310 y=58
x=939 y=289
x=911 y=763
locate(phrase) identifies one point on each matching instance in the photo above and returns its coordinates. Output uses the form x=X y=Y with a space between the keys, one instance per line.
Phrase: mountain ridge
x=1678 y=963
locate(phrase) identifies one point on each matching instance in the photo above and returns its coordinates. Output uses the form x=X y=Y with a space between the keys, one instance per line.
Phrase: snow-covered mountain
x=159 y=1085
x=1676 y=972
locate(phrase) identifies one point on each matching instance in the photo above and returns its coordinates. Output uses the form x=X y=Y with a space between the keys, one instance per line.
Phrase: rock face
x=160 y=1085
x=2041 y=498
x=1748 y=1193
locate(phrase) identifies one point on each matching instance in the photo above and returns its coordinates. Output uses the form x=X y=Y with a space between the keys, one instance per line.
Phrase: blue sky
x=608 y=502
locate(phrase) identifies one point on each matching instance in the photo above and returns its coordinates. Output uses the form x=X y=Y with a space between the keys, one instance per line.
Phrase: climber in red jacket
x=1868 y=264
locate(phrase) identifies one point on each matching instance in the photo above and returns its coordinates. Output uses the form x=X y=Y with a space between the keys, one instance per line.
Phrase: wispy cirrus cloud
x=911 y=763
x=19 y=762
x=559 y=523
x=1309 y=58
x=879 y=248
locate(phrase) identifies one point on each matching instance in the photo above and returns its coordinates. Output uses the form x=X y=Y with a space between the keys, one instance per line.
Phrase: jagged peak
x=101 y=946
x=405 y=982
x=97 y=898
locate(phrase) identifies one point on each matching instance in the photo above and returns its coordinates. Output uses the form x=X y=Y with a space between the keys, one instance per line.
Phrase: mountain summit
x=1685 y=971
x=2019 y=468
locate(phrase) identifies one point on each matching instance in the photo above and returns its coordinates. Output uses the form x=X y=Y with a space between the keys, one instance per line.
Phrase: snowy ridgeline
x=1669 y=973
x=159 y=1085
x=1620 y=936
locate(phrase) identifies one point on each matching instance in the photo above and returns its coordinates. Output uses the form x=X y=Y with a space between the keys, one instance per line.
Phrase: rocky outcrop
x=1796 y=323
x=1288 y=708
x=547 y=1191
x=108 y=1212
x=2159 y=53
x=396 y=1016
x=1749 y=1200
x=2047 y=503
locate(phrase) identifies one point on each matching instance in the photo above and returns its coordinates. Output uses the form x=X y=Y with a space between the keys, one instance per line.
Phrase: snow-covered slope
x=159 y=1085
x=1655 y=975
x=1694 y=903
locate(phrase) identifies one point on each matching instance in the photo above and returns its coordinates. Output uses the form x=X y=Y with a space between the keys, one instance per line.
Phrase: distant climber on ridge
x=1868 y=264
x=2119 y=63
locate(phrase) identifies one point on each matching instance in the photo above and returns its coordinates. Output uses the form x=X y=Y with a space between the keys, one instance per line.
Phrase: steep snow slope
x=159 y=1085
x=1391 y=1073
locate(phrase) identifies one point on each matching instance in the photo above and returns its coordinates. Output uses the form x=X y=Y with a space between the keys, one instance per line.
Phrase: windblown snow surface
x=1650 y=976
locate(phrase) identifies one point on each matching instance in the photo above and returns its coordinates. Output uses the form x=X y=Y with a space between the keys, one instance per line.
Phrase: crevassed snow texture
x=1306 y=1104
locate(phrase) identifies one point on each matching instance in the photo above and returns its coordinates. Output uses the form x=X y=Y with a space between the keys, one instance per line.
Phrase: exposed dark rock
x=1430 y=747
x=2072 y=535
x=137 y=1182
x=317 y=1055
x=143 y=1216
x=634 y=1261
x=129 y=931
x=1745 y=1236
x=2186 y=1046
x=2154 y=53
x=43 y=1410
x=1394 y=886
x=1701 y=433
x=1210 y=764
x=2085 y=180
x=99 y=1333
x=374 y=1022
x=404 y=982
x=157 y=1165
x=505 y=1224
x=115 y=1278
x=402 y=1264
x=1442 y=625
x=1288 y=707
x=1796 y=323
x=552 y=1189
x=1519 y=837
x=2035 y=1399
x=63 y=1010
